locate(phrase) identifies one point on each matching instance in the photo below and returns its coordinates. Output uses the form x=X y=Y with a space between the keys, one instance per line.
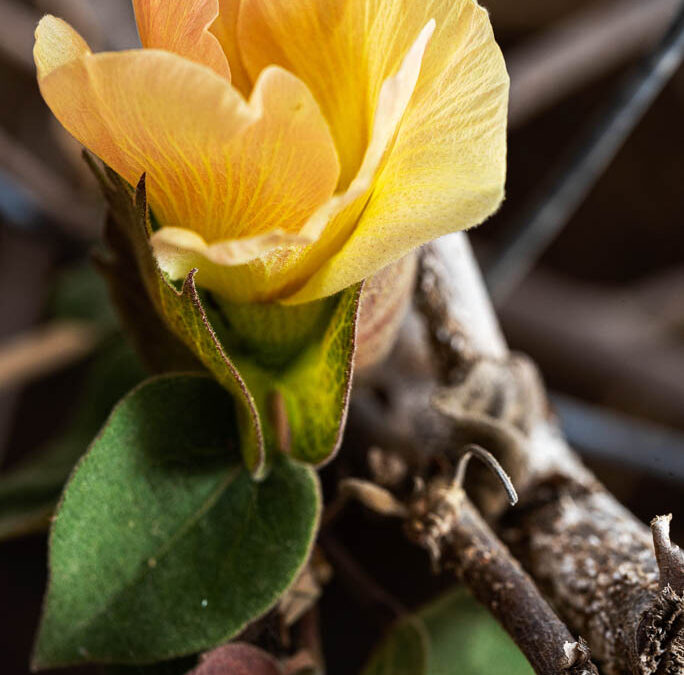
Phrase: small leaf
x=462 y=638
x=403 y=652
x=315 y=386
x=316 y=389
x=164 y=545
x=237 y=659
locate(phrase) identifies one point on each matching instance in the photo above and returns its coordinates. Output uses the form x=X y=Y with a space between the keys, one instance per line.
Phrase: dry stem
x=589 y=554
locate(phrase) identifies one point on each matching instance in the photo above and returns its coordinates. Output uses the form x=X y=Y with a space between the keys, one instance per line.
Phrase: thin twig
x=669 y=556
x=446 y=523
x=364 y=587
x=539 y=226
x=36 y=353
x=580 y=49
x=490 y=461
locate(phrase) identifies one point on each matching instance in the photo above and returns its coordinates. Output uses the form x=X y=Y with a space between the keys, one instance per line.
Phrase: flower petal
x=215 y=164
x=446 y=170
x=277 y=274
x=343 y=50
x=225 y=30
x=57 y=43
x=182 y=27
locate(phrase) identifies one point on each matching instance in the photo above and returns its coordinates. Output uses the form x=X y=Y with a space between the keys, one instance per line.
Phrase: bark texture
x=449 y=526
x=594 y=559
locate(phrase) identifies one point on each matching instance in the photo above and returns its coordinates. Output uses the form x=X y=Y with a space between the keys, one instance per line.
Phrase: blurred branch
x=57 y=199
x=621 y=346
x=606 y=435
x=581 y=49
x=17 y=23
x=575 y=178
x=43 y=350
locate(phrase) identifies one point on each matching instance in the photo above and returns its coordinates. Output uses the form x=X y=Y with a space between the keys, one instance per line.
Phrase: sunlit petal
x=215 y=164
x=57 y=43
x=182 y=27
x=446 y=169
x=225 y=29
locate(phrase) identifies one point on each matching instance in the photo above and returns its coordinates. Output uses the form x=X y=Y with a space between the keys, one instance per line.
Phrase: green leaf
x=315 y=386
x=164 y=545
x=29 y=492
x=404 y=652
x=462 y=638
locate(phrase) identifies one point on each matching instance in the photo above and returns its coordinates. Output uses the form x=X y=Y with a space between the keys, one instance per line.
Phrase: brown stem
x=448 y=525
x=593 y=558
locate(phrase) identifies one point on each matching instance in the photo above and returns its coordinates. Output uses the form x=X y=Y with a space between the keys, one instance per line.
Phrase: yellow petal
x=343 y=50
x=179 y=250
x=57 y=43
x=215 y=164
x=182 y=27
x=225 y=29
x=277 y=274
x=446 y=169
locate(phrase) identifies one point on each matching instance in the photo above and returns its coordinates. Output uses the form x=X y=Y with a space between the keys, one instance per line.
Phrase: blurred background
x=585 y=260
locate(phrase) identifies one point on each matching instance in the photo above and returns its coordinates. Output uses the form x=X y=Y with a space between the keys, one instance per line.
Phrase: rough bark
x=445 y=522
x=592 y=557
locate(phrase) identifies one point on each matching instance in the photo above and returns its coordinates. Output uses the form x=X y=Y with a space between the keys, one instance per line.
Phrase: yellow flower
x=292 y=147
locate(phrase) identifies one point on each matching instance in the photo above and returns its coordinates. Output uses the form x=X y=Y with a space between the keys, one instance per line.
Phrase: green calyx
x=271 y=333
x=288 y=369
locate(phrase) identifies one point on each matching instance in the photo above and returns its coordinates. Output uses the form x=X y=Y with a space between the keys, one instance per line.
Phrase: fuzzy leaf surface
x=163 y=544
x=315 y=385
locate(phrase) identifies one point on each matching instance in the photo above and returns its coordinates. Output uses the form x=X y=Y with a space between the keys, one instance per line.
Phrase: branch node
x=669 y=556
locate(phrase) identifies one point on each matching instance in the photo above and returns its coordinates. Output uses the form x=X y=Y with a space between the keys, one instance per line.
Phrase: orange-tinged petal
x=275 y=275
x=215 y=164
x=225 y=29
x=182 y=27
x=343 y=50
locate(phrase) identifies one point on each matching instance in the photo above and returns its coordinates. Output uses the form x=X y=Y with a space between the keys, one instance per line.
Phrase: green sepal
x=163 y=544
x=181 y=311
x=298 y=407
x=306 y=402
x=453 y=635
